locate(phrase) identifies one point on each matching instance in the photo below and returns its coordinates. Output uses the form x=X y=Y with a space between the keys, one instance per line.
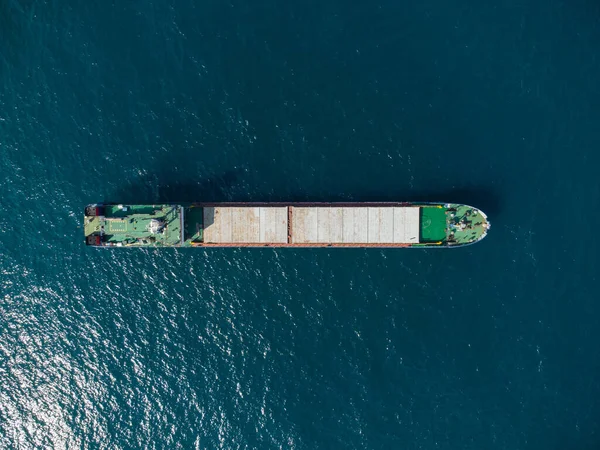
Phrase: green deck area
x=466 y=224
x=433 y=224
x=128 y=210
x=193 y=225
x=137 y=225
x=452 y=224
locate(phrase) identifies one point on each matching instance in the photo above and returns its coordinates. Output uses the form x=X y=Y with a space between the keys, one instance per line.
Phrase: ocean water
x=494 y=346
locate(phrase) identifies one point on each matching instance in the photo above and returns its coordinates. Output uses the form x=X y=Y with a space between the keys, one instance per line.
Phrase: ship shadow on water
x=486 y=199
x=230 y=187
x=170 y=189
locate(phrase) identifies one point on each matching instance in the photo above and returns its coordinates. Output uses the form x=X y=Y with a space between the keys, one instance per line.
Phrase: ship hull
x=294 y=225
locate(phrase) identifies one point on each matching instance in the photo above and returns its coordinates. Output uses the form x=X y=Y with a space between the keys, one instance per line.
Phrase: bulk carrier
x=406 y=224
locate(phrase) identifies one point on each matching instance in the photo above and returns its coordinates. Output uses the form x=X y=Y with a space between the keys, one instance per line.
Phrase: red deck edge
x=262 y=244
x=301 y=204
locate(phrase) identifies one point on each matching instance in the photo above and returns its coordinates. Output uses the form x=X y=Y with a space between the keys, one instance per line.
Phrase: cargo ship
x=402 y=224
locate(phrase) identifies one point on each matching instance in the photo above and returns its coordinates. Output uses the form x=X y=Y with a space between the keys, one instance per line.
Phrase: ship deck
x=355 y=225
x=433 y=224
x=285 y=225
x=311 y=225
x=245 y=224
x=194 y=225
x=465 y=224
x=131 y=224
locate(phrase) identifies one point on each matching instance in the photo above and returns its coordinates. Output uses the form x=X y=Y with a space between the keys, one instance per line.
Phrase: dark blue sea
x=491 y=103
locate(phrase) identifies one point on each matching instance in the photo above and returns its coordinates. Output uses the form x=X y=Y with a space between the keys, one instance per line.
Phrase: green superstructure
x=142 y=225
